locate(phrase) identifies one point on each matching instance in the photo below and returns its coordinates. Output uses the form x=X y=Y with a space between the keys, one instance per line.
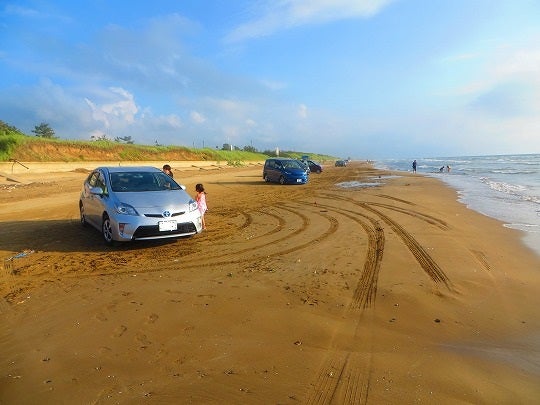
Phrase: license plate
x=167 y=226
x=299 y=180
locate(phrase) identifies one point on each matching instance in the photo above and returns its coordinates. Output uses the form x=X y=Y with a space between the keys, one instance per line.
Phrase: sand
x=312 y=294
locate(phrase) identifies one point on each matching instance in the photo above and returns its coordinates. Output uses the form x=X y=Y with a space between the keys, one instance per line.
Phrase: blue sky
x=368 y=79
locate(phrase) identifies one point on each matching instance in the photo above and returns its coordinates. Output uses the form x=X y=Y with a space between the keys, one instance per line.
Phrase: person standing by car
x=201 y=202
x=167 y=170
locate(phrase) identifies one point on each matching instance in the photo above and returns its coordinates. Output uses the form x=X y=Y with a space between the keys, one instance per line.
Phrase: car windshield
x=141 y=181
x=292 y=164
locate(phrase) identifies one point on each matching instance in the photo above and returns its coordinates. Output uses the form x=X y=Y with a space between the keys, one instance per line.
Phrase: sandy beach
x=315 y=294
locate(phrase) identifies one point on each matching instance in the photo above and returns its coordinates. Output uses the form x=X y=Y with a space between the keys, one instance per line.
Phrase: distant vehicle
x=305 y=165
x=341 y=163
x=314 y=167
x=137 y=203
x=284 y=171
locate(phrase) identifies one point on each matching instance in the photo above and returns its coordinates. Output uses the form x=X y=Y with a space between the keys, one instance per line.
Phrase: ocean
x=505 y=187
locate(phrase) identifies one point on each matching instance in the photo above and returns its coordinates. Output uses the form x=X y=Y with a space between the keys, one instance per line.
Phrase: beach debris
x=437 y=320
x=297 y=343
x=310 y=300
x=23 y=301
x=24 y=253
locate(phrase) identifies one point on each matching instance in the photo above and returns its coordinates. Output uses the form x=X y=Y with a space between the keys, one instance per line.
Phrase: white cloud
x=171 y=121
x=228 y=108
x=21 y=11
x=273 y=85
x=118 y=113
x=197 y=117
x=285 y=14
x=302 y=111
x=33 y=13
x=510 y=83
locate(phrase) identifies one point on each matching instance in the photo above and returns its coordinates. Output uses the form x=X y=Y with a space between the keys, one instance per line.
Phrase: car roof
x=123 y=169
x=281 y=158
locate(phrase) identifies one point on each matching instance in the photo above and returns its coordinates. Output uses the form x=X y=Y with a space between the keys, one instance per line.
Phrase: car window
x=142 y=181
x=92 y=179
x=165 y=182
x=96 y=179
x=291 y=164
x=100 y=182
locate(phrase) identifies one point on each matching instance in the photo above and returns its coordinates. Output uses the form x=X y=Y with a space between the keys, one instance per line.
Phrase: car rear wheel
x=281 y=180
x=106 y=230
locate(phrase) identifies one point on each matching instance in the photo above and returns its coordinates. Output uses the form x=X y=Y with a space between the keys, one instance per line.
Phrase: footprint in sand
x=100 y=316
x=119 y=331
x=143 y=340
x=153 y=318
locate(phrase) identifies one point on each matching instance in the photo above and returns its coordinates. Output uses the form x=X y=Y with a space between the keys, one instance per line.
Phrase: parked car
x=137 y=203
x=341 y=163
x=305 y=165
x=284 y=171
x=314 y=167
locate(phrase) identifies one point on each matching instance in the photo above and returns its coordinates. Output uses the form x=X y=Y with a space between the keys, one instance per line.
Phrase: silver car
x=137 y=203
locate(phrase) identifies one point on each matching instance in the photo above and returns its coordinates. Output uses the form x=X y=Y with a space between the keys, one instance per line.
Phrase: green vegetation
x=44 y=130
x=10 y=138
x=16 y=145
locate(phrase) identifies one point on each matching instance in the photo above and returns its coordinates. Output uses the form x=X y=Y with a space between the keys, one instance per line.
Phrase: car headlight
x=125 y=209
x=193 y=205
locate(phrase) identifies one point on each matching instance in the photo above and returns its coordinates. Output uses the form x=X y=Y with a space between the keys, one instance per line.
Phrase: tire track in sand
x=344 y=376
x=287 y=243
x=366 y=288
x=427 y=263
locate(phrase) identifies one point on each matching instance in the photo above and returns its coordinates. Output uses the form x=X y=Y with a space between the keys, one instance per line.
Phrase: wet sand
x=312 y=294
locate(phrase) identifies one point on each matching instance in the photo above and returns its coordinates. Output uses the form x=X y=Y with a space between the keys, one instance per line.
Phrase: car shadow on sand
x=63 y=236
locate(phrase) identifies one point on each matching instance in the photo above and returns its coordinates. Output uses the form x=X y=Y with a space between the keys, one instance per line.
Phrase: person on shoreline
x=201 y=202
x=414 y=166
x=167 y=170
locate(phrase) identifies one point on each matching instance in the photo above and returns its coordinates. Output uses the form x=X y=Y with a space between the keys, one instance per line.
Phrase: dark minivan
x=284 y=171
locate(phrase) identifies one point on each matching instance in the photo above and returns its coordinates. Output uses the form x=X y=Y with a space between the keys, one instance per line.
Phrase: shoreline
x=504 y=187
x=530 y=240
x=294 y=293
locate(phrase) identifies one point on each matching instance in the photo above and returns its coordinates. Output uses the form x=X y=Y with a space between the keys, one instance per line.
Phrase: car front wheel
x=106 y=230
x=83 y=216
x=282 y=180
